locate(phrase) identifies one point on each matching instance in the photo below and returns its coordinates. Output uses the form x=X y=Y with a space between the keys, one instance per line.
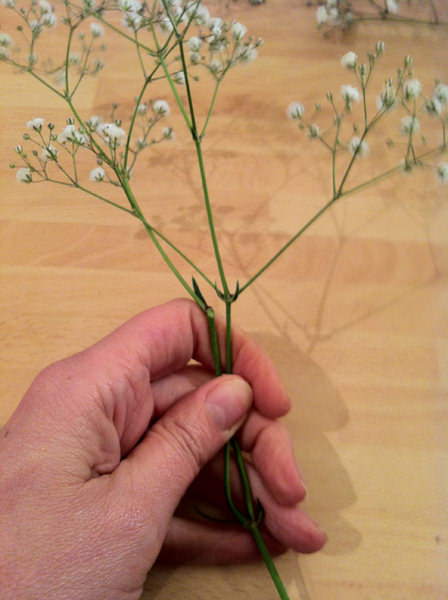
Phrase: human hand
x=105 y=444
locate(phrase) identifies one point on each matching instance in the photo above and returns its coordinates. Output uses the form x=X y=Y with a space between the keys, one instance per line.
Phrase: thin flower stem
x=211 y=108
x=250 y=520
x=166 y=258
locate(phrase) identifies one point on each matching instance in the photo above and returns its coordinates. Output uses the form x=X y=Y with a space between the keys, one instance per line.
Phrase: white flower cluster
x=218 y=45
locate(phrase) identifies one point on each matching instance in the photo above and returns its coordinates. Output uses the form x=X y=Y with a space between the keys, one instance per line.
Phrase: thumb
x=186 y=437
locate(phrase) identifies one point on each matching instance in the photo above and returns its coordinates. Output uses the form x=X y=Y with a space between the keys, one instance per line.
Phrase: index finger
x=165 y=338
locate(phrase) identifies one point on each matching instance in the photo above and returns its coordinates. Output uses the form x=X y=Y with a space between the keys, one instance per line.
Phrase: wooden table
x=354 y=315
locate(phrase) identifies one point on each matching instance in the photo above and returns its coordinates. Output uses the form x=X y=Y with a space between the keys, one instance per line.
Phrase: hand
x=105 y=444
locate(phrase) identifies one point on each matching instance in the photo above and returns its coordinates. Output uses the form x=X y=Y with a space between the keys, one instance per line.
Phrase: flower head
x=194 y=44
x=238 y=31
x=70 y=134
x=161 y=107
x=35 y=124
x=441 y=93
x=23 y=175
x=442 y=173
x=295 y=110
x=409 y=124
x=112 y=133
x=97 y=174
x=48 y=153
x=358 y=147
x=387 y=97
x=97 y=30
x=349 y=60
x=392 y=6
x=350 y=94
x=412 y=89
x=433 y=107
x=179 y=77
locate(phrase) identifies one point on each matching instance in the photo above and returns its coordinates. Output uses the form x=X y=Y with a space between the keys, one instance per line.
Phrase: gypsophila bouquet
x=176 y=42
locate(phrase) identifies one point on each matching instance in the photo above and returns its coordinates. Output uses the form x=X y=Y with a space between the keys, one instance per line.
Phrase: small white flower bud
x=442 y=173
x=349 y=60
x=295 y=110
x=97 y=30
x=409 y=124
x=412 y=89
x=238 y=31
x=441 y=93
x=97 y=174
x=392 y=6
x=194 y=44
x=179 y=77
x=161 y=107
x=358 y=147
x=23 y=175
x=35 y=124
x=350 y=94
x=380 y=46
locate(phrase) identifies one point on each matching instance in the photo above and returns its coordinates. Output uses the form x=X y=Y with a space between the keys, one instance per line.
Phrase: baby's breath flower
x=433 y=107
x=349 y=60
x=441 y=93
x=130 y=6
x=245 y=54
x=194 y=44
x=321 y=15
x=412 y=89
x=314 y=130
x=70 y=134
x=392 y=6
x=165 y=25
x=350 y=93
x=97 y=30
x=295 y=110
x=379 y=48
x=48 y=153
x=35 y=124
x=358 y=147
x=215 y=66
x=161 y=107
x=9 y=3
x=202 y=15
x=215 y=26
x=387 y=97
x=179 y=77
x=48 y=19
x=5 y=39
x=168 y=133
x=409 y=124
x=45 y=7
x=23 y=175
x=442 y=173
x=142 y=108
x=112 y=133
x=97 y=174
x=238 y=30
x=132 y=20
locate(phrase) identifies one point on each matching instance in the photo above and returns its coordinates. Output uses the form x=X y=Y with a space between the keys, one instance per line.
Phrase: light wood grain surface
x=354 y=316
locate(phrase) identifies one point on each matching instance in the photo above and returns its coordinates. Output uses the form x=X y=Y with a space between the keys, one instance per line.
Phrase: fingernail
x=228 y=401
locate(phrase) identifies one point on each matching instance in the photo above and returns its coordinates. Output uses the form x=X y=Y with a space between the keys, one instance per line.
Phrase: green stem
x=136 y=208
x=283 y=594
